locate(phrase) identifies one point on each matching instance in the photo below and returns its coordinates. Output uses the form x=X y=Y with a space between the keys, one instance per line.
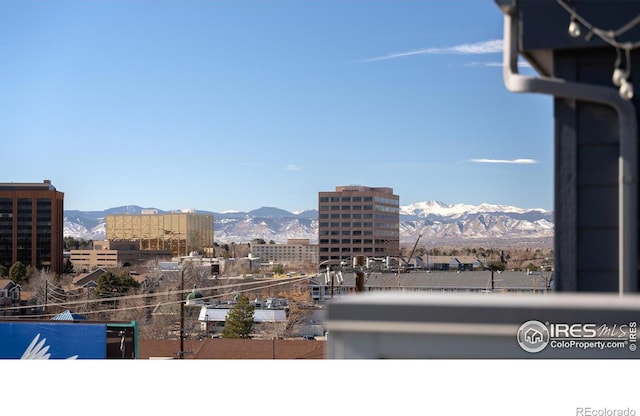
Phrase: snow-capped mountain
x=440 y=209
x=437 y=222
x=445 y=223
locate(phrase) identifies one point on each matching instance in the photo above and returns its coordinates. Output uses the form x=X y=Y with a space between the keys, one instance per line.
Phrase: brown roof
x=26 y=295
x=243 y=349
x=5 y=283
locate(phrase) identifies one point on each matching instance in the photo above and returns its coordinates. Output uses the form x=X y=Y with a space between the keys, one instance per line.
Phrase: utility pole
x=359 y=272
x=181 y=353
x=46 y=295
x=332 y=276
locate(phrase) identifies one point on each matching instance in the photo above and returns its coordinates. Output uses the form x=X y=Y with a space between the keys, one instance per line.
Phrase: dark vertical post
x=46 y=295
x=359 y=271
x=332 y=277
x=181 y=314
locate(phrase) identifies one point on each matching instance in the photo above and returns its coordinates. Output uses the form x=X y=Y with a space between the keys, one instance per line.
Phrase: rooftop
x=22 y=186
x=224 y=348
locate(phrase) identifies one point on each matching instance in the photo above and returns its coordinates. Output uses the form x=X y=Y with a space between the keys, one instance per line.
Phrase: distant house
x=89 y=281
x=213 y=316
x=15 y=301
x=9 y=297
x=443 y=263
x=466 y=263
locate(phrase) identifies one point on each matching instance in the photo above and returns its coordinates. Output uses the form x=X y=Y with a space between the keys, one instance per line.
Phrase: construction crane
x=408 y=261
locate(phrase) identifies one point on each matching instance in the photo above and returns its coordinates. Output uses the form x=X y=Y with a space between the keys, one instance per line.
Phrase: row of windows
x=346 y=216
x=346 y=250
x=378 y=242
x=388 y=201
x=384 y=208
x=386 y=225
x=382 y=233
x=281 y=252
x=388 y=217
x=346 y=241
x=345 y=232
x=356 y=224
x=346 y=208
x=345 y=199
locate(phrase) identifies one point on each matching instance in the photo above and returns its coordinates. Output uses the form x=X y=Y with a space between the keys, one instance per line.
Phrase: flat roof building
x=358 y=221
x=102 y=255
x=31 y=225
x=295 y=251
x=180 y=232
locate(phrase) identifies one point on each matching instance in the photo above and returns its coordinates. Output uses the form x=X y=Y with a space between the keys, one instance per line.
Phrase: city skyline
x=232 y=106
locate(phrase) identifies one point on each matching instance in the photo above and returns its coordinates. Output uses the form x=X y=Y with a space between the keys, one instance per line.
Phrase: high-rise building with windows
x=358 y=221
x=180 y=232
x=31 y=225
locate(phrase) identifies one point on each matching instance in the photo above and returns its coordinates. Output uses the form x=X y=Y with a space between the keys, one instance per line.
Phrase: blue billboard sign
x=52 y=340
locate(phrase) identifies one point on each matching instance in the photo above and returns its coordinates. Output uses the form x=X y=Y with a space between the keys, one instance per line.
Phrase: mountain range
x=432 y=221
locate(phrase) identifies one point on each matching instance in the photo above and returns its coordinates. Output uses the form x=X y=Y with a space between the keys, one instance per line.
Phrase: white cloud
x=521 y=63
x=478 y=48
x=291 y=167
x=513 y=161
x=490 y=64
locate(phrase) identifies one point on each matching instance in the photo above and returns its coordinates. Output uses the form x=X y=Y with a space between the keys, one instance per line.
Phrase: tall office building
x=358 y=221
x=31 y=225
x=180 y=232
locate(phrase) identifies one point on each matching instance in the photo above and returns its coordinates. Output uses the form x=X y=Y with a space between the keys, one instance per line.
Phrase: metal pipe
x=627 y=162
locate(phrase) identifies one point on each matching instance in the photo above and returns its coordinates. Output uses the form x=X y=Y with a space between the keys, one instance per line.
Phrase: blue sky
x=235 y=105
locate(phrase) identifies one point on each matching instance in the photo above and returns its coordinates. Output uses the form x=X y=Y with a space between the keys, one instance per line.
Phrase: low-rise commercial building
x=102 y=255
x=295 y=251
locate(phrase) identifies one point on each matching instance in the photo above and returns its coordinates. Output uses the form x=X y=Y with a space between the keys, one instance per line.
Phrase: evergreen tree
x=68 y=267
x=18 y=272
x=278 y=269
x=3 y=271
x=239 y=320
x=110 y=284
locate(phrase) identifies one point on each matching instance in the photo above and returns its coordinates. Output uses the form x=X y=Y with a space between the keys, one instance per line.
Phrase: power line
x=260 y=286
